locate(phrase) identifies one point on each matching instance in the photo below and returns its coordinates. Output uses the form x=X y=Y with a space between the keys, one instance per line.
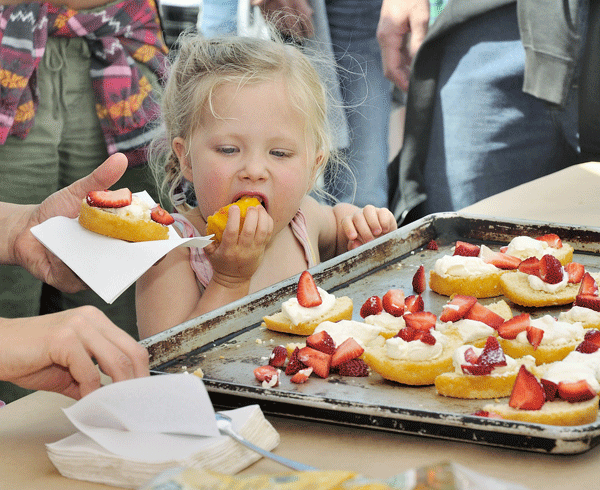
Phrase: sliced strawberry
x=319 y=361
x=501 y=260
x=308 y=294
x=421 y=320
x=592 y=335
x=485 y=413
x=534 y=336
x=587 y=347
x=588 y=285
x=470 y=356
x=372 y=306
x=492 y=354
x=393 y=302
x=321 y=341
x=419 y=281
x=348 y=349
x=550 y=389
x=527 y=393
x=457 y=308
x=552 y=239
x=432 y=245
x=551 y=270
x=159 y=215
x=427 y=338
x=588 y=301
x=466 y=249
x=575 y=270
x=530 y=266
x=577 y=391
x=266 y=374
x=294 y=364
x=414 y=303
x=408 y=334
x=278 y=356
x=483 y=314
x=513 y=327
x=476 y=369
x=302 y=375
x=109 y=199
x=354 y=367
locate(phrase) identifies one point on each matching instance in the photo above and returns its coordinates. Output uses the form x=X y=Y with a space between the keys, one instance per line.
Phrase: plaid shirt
x=118 y=35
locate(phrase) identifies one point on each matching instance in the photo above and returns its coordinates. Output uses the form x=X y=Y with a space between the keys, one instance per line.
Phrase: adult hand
x=55 y=352
x=25 y=250
x=402 y=27
x=291 y=17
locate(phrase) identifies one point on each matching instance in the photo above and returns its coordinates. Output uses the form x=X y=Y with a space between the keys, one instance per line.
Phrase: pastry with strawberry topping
x=416 y=356
x=481 y=373
x=473 y=270
x=471 y=321
x=387 y=314
x=546 y=338
x=215 y=224
x=533 y=400
x=542 y=282
x=310 y=307
x=524 y=247
x=120 y=214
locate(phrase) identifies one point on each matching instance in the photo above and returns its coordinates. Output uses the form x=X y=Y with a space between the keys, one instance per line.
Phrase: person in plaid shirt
x=79 y=81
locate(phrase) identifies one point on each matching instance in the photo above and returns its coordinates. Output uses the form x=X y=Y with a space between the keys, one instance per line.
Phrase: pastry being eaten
x=215 y=224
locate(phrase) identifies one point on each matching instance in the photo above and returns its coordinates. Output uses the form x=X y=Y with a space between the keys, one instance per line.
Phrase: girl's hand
x=367 y=224
x=238 y=256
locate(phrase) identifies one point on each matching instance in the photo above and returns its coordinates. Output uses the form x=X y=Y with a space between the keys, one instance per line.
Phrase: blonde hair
x=203 y=65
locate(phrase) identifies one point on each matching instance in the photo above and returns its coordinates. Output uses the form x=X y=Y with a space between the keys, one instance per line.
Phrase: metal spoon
x=226 y=428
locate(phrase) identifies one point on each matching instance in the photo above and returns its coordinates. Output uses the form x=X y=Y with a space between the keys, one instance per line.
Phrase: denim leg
x=367 y=97
x=487 y=135
x=218 y=17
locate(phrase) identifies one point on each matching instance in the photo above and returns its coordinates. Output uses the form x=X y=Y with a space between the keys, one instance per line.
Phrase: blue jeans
x=367 y=98
x=218 y=17
x=487 y=135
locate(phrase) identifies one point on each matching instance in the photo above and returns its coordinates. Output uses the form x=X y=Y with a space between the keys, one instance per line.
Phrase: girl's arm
x=345 y=226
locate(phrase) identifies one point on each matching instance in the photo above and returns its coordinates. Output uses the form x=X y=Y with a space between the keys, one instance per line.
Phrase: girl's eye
x=280 y=153
x=227 y=150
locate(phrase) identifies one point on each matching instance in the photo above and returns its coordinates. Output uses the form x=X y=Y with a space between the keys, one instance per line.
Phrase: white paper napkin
x=107 y=265
x=152 y=419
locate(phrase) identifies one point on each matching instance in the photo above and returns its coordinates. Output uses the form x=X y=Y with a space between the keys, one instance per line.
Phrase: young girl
x=245 y=117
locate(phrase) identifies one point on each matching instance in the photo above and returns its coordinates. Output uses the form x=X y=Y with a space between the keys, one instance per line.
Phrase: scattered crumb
x=259 y=341
x=221 y=357
x=198 y=372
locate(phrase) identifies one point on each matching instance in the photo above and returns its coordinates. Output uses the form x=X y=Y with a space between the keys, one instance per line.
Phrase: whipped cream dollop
x=580 y=314
x=386 y=321
x=398 y=348
x=571 y=371
x=525 y=247
x=591 y=360
x=468 y=330
x=555 y=332
x=363 y=333
x=458 y=359
x=300 y=314
x=536 y=283
x=459 y=266
x=138 y=210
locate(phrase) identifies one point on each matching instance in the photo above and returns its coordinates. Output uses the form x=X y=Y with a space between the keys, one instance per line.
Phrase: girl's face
x=256 y=145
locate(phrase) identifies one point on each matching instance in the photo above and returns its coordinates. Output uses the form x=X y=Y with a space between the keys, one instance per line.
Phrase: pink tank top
x=201 y=265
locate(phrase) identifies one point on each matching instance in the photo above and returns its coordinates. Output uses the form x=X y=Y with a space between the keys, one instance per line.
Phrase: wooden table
x=568 y=197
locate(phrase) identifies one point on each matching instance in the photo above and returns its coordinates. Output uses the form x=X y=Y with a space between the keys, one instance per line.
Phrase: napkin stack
x=131 y=431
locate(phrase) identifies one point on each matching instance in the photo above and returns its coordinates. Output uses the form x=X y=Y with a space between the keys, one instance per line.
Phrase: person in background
x=344 y=30
x=493 y=99
x=258 y=127
x=56 y=352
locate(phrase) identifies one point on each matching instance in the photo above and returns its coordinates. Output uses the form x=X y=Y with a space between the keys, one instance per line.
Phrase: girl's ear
x=179 y=147
x=319 y=161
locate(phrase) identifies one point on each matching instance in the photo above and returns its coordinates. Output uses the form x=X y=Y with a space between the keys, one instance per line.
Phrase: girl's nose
x=255 y=168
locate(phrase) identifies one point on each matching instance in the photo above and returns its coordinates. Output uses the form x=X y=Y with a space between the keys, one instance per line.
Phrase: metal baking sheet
x=228 y=343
